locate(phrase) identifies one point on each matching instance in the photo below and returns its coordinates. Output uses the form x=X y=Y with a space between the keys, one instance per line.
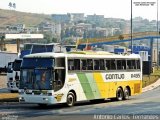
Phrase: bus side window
x=107 y=65
x=70 y=65
x=113 y=64
x=102 y=66
x=138 y=64
x=96 y=65
x=123 y=64
x=84 y=64
x=89 y=64
x=119 y=64
x=131 y=64
x=77 y=64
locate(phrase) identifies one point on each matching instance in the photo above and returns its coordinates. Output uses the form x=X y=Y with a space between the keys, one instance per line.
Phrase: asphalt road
x=138 y=107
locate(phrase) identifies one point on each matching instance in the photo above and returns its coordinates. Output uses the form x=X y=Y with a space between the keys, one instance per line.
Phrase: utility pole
x=131 y=31
x=18 y=45
x=157 y=39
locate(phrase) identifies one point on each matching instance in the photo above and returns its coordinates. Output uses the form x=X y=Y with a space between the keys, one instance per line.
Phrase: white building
x=16 y=27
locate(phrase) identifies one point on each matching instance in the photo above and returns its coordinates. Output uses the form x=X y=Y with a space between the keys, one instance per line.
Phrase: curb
x=9 y=100
x=8 y=97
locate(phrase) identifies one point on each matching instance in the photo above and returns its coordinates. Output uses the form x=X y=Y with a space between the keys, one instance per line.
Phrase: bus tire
x=71 y=99
x=126 y=94
x=119 y=94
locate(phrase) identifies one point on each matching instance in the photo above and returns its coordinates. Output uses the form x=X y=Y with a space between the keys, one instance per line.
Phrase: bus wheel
x=70 y=99
x=119 y=94
x=126 y=94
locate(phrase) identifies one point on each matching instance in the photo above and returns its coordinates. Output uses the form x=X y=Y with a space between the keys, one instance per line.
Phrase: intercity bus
x=51 y=78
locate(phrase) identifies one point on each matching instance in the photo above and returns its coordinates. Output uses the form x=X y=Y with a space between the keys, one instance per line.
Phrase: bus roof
x=82 y=54
x=91 y=52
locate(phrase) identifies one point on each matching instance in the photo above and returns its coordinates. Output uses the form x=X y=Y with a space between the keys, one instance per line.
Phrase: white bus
x=51 y=78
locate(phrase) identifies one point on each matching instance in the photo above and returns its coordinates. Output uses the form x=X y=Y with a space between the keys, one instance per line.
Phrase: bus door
x=59 y=74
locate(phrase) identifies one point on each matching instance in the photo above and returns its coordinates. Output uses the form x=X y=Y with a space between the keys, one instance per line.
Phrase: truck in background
x=13 y=75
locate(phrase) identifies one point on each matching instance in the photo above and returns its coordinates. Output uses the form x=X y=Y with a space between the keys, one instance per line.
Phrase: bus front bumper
x=38 y=99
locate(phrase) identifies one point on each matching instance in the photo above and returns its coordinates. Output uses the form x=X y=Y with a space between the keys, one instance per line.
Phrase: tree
x=47 y=37
x=121 y=37
x=54 y=39
x=14 y=5
x=67 y=32
x=10 y=4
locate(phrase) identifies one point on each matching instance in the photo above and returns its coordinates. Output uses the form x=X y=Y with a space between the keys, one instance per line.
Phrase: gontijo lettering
x=115 y=76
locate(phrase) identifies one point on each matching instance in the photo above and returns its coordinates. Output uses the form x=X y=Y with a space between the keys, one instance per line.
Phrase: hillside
x=13 y=17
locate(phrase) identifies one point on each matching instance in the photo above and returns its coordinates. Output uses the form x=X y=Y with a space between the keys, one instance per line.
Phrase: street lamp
x=131 y=31
x=157 y=39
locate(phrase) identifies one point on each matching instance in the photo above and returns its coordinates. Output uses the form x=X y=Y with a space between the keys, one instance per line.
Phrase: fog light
x=21 y=99
x=46 y=99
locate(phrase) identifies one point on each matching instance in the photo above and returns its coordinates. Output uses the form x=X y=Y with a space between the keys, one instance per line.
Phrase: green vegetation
x=15 y=17
x=149 y=79
x=156 y=71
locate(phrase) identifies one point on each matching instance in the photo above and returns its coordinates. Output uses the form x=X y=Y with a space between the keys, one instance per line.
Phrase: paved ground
x=3 y=81
x=148 y=103
x=3 y=84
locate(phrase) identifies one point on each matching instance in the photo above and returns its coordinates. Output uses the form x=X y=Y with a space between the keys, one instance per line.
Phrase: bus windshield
x=42 y=48
x=37 y=63
x=36 y=73
x=36 y=79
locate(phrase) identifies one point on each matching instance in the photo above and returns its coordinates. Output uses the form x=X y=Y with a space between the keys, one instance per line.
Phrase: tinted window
x=37 y=62
x=17 y=65
x=42 y=48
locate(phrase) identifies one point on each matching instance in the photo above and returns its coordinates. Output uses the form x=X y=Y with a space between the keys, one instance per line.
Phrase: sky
x=108 y=8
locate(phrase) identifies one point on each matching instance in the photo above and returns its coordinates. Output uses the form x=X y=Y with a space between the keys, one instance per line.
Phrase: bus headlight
x=21 y=99
x=45 y=99
x=21 y=91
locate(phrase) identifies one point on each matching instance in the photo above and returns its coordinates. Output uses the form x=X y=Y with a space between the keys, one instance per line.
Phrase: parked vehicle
x=6 y=57
x=13 y=75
